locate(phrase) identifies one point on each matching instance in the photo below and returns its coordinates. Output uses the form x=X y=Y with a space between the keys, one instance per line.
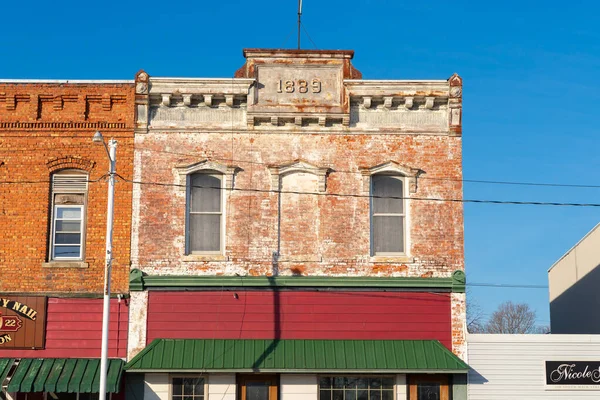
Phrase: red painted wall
x=74 y=329
x=300 y=315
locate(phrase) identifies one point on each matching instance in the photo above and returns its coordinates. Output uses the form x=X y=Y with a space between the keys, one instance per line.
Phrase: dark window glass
x=187 y=388
x=324 y=394
x=356 y=388
x=387 y=383
x=387 y=395
x=325 y=382
x=428 y=391
x=257 y=391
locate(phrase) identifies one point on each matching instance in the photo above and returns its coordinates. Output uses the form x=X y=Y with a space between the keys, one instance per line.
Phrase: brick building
x=282 y=240
x=53 y=201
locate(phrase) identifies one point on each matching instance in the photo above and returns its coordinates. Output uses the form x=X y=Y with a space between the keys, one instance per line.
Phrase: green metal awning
x=5 y=365
x=305 y=356
x=64 y=375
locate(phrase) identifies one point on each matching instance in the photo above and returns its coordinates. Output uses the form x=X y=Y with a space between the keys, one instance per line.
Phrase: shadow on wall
x=475 y=378
x=573 y=311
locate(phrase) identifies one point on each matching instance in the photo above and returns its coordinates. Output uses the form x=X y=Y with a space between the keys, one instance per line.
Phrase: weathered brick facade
x=46 y=127
x=297 y=172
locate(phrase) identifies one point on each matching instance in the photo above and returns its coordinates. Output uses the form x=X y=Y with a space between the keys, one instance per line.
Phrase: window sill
x=65 y=264
x=392 y=259
x=203 y=257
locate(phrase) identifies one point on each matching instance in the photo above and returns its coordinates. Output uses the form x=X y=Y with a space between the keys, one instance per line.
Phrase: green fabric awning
x=64 y=375
x=304 y=356
x=5 y=365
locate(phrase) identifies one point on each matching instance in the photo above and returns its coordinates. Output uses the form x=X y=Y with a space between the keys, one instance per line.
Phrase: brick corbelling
x=30 y=106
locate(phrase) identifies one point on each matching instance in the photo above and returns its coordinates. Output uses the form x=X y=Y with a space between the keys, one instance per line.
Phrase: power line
x=483 y=181
x=370 y=196
x=508 y=285
x=349 y=195
x=338 y=171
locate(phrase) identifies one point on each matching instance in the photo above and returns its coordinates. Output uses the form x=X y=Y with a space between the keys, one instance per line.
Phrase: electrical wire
x=348 y=195
x=508 y=285
x=308 y=36
x=369 y=196
x=338 y=171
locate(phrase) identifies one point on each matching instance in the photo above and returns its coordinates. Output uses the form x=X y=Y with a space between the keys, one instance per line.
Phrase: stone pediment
x=292 y=85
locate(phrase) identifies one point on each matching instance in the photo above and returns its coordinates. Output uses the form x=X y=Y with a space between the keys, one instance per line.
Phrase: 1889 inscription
x=298 y=88
x=302 y=85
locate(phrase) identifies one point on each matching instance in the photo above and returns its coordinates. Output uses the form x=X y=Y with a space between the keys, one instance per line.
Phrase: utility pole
x=111 y=151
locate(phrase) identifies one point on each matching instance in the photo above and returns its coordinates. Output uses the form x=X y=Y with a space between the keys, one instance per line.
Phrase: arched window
x=204 y=213
x=388 y=222
x=69 y=192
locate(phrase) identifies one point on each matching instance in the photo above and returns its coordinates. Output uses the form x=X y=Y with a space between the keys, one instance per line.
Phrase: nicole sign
x=573 y=375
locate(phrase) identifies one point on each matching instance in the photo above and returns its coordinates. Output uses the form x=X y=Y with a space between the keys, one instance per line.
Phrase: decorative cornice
x=138 y=281
x=64 y=125
x=217 y=86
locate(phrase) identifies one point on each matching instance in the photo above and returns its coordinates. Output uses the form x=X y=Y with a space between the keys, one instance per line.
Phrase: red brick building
x=53 y=202
x=288 y=238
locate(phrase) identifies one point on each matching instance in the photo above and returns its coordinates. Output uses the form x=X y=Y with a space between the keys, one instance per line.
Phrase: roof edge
x=139 y=281
x=574 y=246
x=70 y=81
x=294 y=53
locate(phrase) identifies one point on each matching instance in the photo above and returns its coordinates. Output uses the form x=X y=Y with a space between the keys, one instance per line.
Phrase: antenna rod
x=299 y=23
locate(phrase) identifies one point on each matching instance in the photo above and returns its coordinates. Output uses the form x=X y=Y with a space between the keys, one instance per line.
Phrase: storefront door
x=258 y=387
x=428 y=387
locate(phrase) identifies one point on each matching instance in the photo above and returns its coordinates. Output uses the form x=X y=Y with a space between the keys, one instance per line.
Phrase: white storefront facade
x=533 y=367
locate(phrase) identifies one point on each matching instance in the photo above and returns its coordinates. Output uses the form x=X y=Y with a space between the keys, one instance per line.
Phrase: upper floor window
x=205 y=213
x=388 y=215
x=69 y=192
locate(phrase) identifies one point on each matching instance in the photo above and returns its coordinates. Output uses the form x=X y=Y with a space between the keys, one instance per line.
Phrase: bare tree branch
x=474 y=315
x=512 y=318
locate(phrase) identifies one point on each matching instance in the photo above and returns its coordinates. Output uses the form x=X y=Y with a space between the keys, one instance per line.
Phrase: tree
x=475 y=323
x=512 y=318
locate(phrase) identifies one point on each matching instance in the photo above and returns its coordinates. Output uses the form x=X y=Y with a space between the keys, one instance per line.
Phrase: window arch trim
x=298 y=166
x=391 y=168
x=207 y=167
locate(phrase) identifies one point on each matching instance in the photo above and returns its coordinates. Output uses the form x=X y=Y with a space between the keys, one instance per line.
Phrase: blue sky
x=531 y=73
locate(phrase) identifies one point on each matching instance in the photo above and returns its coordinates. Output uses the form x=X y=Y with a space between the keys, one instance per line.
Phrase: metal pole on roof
x=299 y=22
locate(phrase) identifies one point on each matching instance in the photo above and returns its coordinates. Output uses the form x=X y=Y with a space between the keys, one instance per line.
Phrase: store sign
x=573 y=375
x=22 y=322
